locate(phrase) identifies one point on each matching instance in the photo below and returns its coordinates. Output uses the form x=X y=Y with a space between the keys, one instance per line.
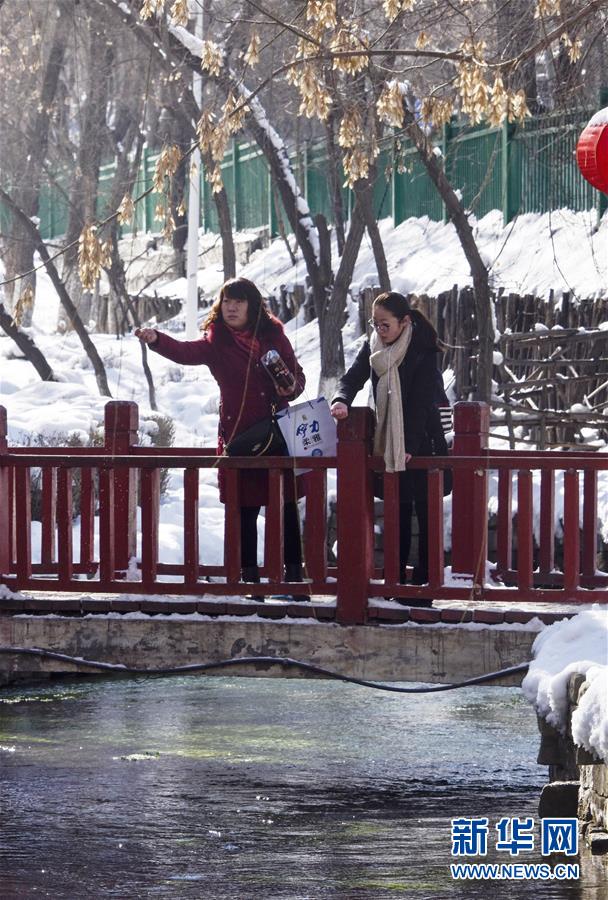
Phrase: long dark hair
x=259 y=319
x=399 y=306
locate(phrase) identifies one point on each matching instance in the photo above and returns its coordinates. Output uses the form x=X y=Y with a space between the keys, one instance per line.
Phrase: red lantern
x=592 y=151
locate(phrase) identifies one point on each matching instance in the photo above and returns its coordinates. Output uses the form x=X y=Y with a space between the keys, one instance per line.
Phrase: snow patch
x=576 y=645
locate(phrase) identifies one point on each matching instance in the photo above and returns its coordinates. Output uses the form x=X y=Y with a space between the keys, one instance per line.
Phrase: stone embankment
x=578 y=779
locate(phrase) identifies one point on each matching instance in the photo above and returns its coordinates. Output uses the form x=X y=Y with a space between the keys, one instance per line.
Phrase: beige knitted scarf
x=389 y=440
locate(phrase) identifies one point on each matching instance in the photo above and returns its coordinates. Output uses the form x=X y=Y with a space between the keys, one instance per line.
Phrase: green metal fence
x=514 y=169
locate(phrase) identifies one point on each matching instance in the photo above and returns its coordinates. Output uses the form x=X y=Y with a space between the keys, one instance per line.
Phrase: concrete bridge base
x=438 y=653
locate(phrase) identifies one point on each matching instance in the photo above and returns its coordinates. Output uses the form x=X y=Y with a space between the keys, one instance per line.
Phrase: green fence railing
x=516 y=169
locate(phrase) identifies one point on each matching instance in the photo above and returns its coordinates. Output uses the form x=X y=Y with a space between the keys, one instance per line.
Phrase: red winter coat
x=228 y=361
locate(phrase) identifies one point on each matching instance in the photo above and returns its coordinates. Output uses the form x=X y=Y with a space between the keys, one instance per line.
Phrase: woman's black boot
x=251 y=575
x=293 y=572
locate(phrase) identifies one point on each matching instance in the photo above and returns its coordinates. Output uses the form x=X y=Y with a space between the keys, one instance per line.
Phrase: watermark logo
x=469 y=837
x=559 y=836
x=514 y=835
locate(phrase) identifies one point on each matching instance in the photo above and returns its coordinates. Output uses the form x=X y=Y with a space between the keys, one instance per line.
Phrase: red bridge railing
x=103 y=488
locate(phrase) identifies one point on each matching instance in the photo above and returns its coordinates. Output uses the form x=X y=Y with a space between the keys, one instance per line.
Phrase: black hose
x=286 y=661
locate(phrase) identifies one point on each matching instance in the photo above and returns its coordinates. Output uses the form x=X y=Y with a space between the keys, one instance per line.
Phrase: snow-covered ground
x=562 y=250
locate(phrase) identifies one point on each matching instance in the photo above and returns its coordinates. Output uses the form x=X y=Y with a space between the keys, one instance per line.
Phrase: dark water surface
x=243 y=788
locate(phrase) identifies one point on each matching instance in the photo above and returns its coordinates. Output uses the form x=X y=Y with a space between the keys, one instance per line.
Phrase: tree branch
x=551 y=36
x=66 y=301
x=25 y=343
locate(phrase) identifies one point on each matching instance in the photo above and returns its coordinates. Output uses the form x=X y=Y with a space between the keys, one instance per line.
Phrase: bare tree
x=33 y=68
x=64 y=297
x=357 y=73
x=483 y=63
x=27 y=345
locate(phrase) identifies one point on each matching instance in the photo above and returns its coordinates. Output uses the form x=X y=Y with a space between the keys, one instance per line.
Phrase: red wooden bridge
x=103 y=487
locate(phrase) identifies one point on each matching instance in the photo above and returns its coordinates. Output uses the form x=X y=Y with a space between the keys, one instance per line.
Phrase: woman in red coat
x=238 y=331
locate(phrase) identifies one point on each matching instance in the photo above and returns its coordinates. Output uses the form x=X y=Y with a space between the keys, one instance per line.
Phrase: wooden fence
x=552 y=378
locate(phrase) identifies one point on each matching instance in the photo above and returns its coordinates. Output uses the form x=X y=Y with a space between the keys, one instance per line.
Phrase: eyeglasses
x=382 y=326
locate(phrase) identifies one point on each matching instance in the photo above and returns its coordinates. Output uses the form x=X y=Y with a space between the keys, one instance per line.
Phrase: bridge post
x=470 y=491
x=121 y=418
x=5 y=561
x=355 y=516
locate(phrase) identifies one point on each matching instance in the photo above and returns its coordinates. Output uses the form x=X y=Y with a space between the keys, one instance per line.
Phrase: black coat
x=421 y=395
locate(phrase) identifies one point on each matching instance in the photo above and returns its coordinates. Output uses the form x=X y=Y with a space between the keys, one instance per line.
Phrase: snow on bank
x=577 y=645
x=537 y=253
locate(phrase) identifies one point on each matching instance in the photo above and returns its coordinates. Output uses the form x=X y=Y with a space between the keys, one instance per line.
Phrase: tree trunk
x=64 y=297
x=365 y=197
x=188 y=114
x=85 y=186
x=324 y=251
x=128 y=158
x=332 y=318
x=127 y=167
x=116 y=277
x=27 y=346
x=220 y=198
x=479 y=272
x=335 y=184
x=176 y=130
x=20 y=250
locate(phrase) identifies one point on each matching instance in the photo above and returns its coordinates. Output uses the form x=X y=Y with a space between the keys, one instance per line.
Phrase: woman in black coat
x=401 y=358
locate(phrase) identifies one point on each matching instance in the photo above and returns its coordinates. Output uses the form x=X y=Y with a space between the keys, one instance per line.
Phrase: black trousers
x=249 y=535
x=406 y=510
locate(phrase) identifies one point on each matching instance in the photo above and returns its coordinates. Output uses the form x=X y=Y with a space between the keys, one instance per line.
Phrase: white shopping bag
x=308 y=428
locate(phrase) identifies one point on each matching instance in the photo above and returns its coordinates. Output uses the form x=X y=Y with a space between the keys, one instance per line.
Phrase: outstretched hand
x=339 y=410
x=146 y=335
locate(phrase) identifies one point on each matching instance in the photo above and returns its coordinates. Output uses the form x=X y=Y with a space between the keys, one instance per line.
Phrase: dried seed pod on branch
x=166 y=166
x=179 y=12
x=91 y=257
x=390 y=103
x=252 y=54
x=392 y=8
x=436 y=111
x=126 y=210
x=323 y=12
x=546 y=8
x=23 y=306
x=151 y=8
x=346 y=40
x=212 y=58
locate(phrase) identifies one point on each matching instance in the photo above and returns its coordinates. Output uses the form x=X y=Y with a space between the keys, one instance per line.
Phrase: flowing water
x=242 y=788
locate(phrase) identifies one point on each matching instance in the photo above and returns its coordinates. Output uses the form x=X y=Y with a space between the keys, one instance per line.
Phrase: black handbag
x=264 y=438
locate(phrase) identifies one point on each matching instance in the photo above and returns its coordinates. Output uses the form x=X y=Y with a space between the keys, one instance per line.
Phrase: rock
x=598 y=841
x=559 y=800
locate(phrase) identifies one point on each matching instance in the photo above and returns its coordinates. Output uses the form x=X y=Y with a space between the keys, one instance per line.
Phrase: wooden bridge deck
x=320 y=607
x=447 y=643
